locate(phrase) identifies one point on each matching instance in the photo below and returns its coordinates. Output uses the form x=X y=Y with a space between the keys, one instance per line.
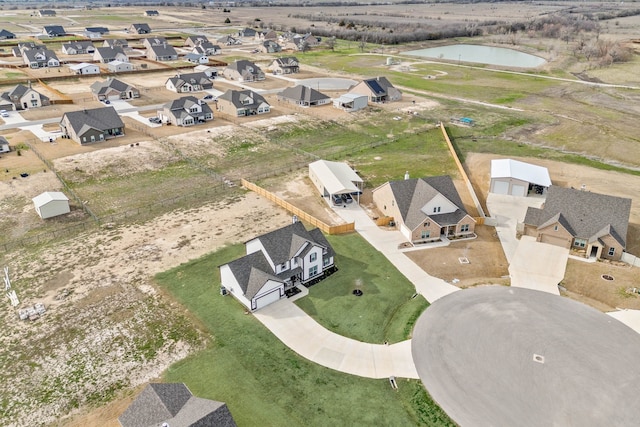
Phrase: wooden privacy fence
x=302 y=215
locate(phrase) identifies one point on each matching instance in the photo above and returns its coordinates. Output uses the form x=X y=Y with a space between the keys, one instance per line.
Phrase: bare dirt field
x=487 y=263
x=104 y=287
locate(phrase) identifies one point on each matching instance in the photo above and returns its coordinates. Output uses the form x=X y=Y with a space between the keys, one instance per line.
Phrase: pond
x=481 y=54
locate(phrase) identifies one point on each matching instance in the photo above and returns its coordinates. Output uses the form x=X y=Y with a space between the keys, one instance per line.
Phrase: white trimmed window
x=313 y=271
x=425 y=234
x=464 y=228
x=612 y=251
x=579 y=243
x=313 y=256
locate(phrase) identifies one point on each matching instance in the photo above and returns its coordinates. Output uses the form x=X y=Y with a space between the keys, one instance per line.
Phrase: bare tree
x=363 y=43
x=331 y=43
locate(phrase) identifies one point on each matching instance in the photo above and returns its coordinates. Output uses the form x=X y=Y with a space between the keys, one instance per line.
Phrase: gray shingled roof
x=155 y=41
x=55 y=30
x=237 y=96
x=191 y=78
x=584 y=214
x=197 y=39
x=103 y=87
x=108 y=52
x=31 y=54
x=283 y=243
x=242 y=64
x=101 y=30
x=18 y=91
x=117 y=43
x=97 y=118
x=252 y=272
x=303 y=93
x=412 y=194
x=287 y=61
x=174 y=404
x=82 y=45
x=6 y=34
x=164 y=50
x=144 y=27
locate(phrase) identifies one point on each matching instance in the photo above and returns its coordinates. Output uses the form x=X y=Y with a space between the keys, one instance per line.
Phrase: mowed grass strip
x=386 y=310
x=265 y=383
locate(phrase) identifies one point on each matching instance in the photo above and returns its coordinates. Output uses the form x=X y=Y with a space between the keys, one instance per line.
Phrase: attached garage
x=515 y=178
x=268 y=298
x=51 y=203
x=556 y=241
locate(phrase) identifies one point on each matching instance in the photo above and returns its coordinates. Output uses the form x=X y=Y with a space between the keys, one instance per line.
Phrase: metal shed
x=335 y=178
x=51 y=203
x=516 y=178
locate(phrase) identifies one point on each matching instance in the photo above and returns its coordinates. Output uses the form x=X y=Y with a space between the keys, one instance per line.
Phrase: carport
x=515 y=178
x=335 y=178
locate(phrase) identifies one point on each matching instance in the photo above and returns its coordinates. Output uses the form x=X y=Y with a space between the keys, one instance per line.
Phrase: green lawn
x=262 y=381
x=385 y=311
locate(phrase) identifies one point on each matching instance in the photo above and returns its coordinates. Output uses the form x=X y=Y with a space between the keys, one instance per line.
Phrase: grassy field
x=385 y=311
x=263 y=382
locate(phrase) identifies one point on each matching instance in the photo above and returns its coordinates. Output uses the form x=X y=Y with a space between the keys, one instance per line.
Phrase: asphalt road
x=500 y=356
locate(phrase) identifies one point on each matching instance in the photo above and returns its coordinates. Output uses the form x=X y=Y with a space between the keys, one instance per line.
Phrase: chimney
x=406 y=175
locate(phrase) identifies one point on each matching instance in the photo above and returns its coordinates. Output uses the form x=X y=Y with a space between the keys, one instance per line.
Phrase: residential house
x=301 y=42
x=116 y=43
x=285 y=65
x=120 y=66
x=377 y=90
x=351 y=102
x=243 y=71
x=139 y=28
x=151 y=13
x=112 y=89
x=40 y=58
x=172 y=404
x=304 y=96
x=4 y=145
x=193 y=41
x=5 y=103
x=425 y=209
x=275 y=263
x=590 y=224
x=164 y=52
x=108 y=54
x=6 y=35
x=189 y=82
x=229 y=41
x=24 y=97
x=46 y=12
x=266 y=35
x=84 y=68
x=54 y=31
x=196 y=58
x=247 y=32
x=238 y=103
x=78 y=48
x=211 y=72
x=207 y=48
x=185 y=111
x=96 y=32
x=269 y=46
x=154 y=41
x=18 y=51
x=97 y=124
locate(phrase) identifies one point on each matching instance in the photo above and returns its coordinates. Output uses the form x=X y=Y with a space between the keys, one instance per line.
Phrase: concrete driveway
x=432 y=288
x=508 y=210
x=310 y=340
x=538 y=266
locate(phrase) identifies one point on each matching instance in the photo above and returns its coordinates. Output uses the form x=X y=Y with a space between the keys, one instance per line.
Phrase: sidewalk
x=310 y=340
x=387 y=242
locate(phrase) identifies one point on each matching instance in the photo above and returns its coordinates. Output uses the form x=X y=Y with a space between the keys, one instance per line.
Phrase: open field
x=135 y=328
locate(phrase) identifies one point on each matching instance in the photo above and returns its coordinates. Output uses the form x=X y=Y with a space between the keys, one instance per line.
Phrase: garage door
x=114 y=97
x=500 y=187
x=518 y=190
x=552 y=240
x=267 y=299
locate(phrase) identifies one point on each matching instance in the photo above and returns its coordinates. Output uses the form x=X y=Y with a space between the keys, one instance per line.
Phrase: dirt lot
x=487 y=263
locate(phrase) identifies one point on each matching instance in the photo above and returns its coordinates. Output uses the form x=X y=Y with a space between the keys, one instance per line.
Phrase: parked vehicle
x=347 y=198
x=337 y=200
x=208 y=96
x=106 y=101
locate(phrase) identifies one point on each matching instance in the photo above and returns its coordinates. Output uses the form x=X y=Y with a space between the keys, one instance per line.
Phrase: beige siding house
x=425 y=209
x=592 y=225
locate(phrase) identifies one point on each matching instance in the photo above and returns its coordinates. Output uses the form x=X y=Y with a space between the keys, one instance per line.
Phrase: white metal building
x=85 y=68
x=351 y=102
x=332 y=178
x=119 y=66
x=516 y=178
x=51 y=203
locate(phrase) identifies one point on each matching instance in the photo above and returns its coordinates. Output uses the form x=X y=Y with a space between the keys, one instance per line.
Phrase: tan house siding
x=385 y=201
x=610 y=242
x=431 y=226
x=560 y=237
